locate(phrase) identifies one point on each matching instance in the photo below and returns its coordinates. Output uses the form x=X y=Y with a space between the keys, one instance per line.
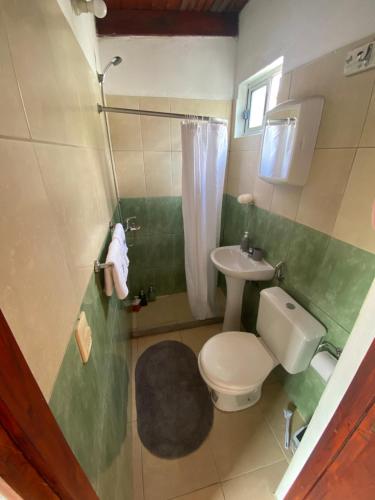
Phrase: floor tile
x=211 y=493
x=165 y=479
x=274 y=400
x=195 y=338
x=257 y=485
x=242 y=442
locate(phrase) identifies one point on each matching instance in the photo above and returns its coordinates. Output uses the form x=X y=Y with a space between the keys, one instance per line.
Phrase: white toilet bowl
x=234 y=366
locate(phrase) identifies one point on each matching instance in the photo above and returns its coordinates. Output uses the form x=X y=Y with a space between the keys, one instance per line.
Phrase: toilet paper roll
x=245 y=199
x=324 y=364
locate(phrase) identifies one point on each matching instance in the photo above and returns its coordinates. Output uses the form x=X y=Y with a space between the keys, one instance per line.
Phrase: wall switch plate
x=83 y=337
x=360 y=59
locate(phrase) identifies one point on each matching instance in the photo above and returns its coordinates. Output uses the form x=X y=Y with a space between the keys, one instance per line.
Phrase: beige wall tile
x=368 y=134
x=125 y=129
x=346 y=98
x=284 y=88
x=156 y=132
x=242 y=172
x=216 y=109
x=176 y=173
x=323 y=192
x=285 y=200
x=246 y=143
x=353 y=223
x=130 y=173
x=186 y=106
x=219 y=109
x=108 y=194
x=263 y=192
x=176 y=135
x=158 y=173
x=12 y=117
x=52 y=99
x=37 y=294
x=155 y=104
x=74 y=190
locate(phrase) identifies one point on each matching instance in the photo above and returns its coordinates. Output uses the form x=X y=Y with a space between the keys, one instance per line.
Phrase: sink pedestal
x=237 y=268
x=233 y=305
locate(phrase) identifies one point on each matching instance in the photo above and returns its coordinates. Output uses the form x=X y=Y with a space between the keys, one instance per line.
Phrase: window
x=257 y=95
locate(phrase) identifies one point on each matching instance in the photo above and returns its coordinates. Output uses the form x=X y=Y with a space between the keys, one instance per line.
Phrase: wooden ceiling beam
x=167 y=23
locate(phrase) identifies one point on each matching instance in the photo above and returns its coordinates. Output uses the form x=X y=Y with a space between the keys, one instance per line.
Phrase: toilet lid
x=235 y=360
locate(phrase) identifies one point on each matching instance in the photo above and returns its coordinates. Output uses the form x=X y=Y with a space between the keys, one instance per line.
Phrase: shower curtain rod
x=162 y=114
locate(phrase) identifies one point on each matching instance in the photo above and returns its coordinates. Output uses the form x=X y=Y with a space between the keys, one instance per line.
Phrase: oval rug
x=174 y=408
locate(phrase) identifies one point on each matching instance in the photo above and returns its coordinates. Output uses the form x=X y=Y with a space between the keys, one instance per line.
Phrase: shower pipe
x=162 y=114
x=115 y=61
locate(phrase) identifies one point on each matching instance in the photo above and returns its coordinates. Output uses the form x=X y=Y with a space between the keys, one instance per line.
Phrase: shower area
x=152 y=138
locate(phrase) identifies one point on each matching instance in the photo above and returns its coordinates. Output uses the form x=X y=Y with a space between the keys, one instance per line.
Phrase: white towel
x=119 y=234
x=117 y=274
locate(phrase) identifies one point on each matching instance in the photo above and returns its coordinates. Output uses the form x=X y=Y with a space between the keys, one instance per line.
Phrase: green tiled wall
x=328 y=277
x=90 y=401
x=157 y=254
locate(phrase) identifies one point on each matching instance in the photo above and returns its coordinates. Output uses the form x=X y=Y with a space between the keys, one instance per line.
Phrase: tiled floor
x=169 y=309
x=242 y=459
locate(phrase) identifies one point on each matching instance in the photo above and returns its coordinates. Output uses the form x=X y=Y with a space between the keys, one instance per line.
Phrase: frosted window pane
x=257 y=106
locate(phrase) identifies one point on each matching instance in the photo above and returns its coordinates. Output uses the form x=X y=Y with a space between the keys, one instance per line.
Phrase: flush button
x=289 y=305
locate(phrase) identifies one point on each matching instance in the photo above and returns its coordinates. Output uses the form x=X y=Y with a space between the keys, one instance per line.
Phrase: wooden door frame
x=38 y=460
x=352 y=409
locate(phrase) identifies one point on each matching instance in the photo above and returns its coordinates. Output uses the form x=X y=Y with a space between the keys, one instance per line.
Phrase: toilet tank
x=287 y=329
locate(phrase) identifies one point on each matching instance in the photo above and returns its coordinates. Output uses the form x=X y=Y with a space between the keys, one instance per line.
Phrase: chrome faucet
x=325 y=345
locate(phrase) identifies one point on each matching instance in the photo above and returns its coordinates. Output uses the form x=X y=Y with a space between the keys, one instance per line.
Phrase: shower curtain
x=204 y=157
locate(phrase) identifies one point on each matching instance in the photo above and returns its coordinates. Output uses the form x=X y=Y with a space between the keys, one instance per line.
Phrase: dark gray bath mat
x=174 y=408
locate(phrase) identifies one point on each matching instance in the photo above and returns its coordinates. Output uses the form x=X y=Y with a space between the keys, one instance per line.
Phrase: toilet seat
x=234 y=362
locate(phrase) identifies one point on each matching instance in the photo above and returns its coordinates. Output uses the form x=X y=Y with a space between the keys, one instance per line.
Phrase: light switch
x=83 y=337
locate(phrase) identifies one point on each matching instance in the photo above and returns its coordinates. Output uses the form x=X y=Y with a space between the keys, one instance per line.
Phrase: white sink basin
x=232 y=262
x=237 y=268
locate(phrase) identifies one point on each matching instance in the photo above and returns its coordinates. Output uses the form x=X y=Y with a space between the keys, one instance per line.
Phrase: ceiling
x=171 y=17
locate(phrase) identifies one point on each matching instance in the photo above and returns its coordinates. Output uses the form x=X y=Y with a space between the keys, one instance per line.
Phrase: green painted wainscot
x=90 y=401
x=328 y=277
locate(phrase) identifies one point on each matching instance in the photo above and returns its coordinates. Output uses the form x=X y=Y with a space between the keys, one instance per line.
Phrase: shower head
x=115 y=61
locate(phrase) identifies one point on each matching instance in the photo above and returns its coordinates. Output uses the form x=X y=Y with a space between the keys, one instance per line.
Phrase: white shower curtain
x=204 y=157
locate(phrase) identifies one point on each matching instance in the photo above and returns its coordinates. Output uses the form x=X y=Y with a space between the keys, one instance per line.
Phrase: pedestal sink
x=238 y=268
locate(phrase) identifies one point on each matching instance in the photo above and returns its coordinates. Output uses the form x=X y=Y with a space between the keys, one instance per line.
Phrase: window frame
x=244 y=90
x=251 y=88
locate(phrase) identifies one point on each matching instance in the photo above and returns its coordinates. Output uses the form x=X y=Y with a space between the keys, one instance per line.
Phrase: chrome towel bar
x=130 y=225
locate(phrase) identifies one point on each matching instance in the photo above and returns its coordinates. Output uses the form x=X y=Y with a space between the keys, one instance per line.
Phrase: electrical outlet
x=360 y=59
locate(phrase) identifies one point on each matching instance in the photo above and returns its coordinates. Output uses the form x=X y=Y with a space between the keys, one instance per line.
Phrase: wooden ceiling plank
x=173 y=4
x=195 y=5
x=167 y=23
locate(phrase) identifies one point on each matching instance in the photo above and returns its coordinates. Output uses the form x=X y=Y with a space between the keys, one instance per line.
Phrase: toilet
x=234 y=365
